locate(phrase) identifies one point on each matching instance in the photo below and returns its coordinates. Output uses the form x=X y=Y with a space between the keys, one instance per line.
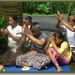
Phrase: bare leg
x=53 y=59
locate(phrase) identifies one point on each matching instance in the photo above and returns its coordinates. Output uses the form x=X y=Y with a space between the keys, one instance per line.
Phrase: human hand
x=59 y=16
x=51 y=38
x=26 y=31
x=2 y=32
x=58 y=13
x=46 y=47
x=23 y=22
x=26 y=23
x=25 y=26
x=6 y=31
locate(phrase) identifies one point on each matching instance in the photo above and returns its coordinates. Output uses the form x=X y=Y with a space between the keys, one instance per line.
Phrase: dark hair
x=29 y=18
x=35 y=26
x=69 y=14
x=71 y=17
x=14 y=16
x=60 y=35
x=35 y=23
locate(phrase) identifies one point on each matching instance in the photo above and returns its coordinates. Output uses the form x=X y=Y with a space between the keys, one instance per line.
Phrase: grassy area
x=37 y=14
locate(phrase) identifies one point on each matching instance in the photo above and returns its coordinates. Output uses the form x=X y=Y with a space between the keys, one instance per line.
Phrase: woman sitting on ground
x=36 y=55
x=58 y=50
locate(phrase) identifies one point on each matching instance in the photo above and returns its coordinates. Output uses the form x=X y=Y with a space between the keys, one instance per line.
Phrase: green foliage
x=29 y=7
x=71 y=9
x=3 y=40
x=48 y=7
x=42 y=8
x=59 y=6
x=73 y=12
x=3 y=22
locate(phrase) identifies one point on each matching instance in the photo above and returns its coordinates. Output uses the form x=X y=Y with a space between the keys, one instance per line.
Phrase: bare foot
x=46 y=67
x=59 y=69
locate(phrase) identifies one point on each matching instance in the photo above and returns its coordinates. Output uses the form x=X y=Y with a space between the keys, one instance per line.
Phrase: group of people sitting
x=29 y=46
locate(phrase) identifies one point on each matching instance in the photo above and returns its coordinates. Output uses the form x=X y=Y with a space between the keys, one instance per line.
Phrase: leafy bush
x=3 y=22
x=43 y=8
x=3 y=40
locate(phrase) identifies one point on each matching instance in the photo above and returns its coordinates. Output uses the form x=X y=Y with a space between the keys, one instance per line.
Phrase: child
x=58 y=50
x=69 y=27
x=27 y=23
x=14 y=32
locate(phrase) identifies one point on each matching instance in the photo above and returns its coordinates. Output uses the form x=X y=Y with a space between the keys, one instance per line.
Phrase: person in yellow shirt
x=58 y=49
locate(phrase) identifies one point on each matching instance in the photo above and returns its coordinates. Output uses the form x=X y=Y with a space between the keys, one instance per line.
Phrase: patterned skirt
x=9 y=57
x=33 y=60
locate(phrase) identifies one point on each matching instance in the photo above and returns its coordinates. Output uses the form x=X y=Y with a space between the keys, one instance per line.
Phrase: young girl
x=58 y=50
x=27 y=23
x=14 y=32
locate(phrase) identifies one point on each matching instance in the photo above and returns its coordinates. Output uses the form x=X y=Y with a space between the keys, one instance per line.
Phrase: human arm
x=15 y=38
x=49 y=42
x=25 y=39
x=47 y=45
x=60 y=17
x=58 y=23
x=68 y=26
x=15 y=34
x=59 y=26
x=39 y=42
x=54 y=44
x=3 y=33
